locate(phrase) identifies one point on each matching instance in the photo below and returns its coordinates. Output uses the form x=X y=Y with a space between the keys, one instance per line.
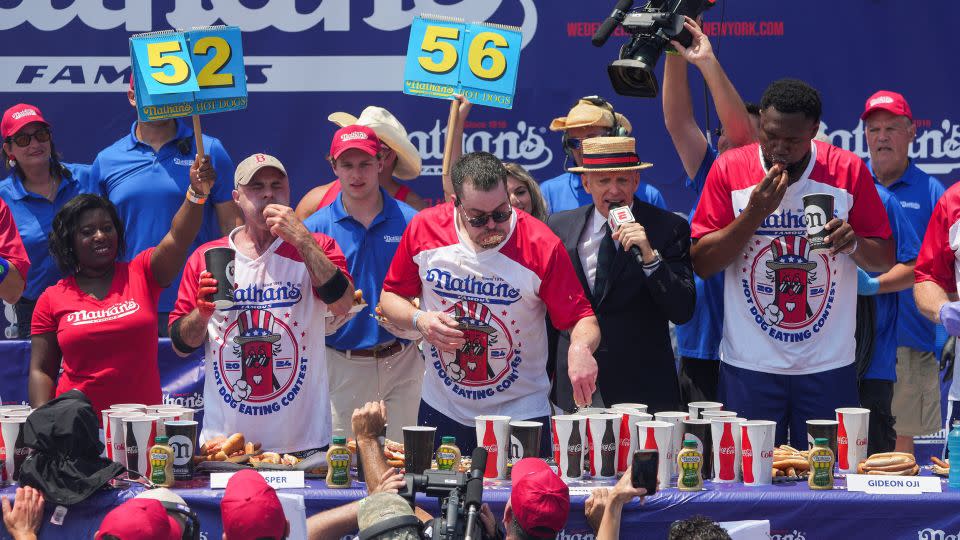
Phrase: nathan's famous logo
x=116 y=311
x=487 y=362
x=791 y=535
x=524 y=144
x=257 y=367
x=480 y=289
x=269 y=296
x=936 y=534
x=936 y=148
x=787 y=287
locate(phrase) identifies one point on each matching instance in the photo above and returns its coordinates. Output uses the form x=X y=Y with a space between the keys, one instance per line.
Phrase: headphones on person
x=390 y=524
x=616 y=130
x=191 y=523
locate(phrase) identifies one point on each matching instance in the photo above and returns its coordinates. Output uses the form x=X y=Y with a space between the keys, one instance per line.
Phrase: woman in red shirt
x=102 y=318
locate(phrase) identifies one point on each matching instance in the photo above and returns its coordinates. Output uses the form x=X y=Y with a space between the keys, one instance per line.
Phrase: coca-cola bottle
x=624 y=442
x=746 y=450
x=842 y=444
x=589 y=459
x=651 y=442
x=490 y=444
x=574 y=451
x=728 y=449
x=608 y=450
x=556 y=445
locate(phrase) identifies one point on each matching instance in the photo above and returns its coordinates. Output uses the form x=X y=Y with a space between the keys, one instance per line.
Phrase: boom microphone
x=474 y=492
x=610 y=24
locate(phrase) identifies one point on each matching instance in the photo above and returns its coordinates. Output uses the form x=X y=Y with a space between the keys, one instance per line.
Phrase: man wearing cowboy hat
x=367 y=361
x=591 y=116
x=400 y=160
x=634 y=298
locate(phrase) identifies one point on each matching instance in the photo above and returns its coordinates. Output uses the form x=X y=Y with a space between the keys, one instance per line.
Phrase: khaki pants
x=916 y=394
x=396 y=380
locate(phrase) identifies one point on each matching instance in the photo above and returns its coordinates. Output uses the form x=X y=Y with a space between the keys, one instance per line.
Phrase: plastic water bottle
x=953 y=445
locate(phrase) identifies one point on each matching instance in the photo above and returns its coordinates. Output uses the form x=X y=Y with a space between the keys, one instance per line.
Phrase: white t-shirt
x=265 y=370
x=503 y=295
x=788 y=309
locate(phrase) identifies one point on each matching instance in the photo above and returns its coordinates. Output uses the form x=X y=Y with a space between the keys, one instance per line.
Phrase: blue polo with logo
x=148 y=188
x=33 y=215
x=883 y=364
x=369 y=252
x=566 y=192
x=700 y=336
x=918 y=193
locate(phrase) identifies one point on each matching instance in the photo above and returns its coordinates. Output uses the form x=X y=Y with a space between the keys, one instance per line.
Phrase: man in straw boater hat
x=400 y=160
x=591 y=116
x=635 y=297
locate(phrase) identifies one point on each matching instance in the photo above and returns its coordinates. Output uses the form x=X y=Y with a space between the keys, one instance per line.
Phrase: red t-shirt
x=109 y=346
x=11 y=246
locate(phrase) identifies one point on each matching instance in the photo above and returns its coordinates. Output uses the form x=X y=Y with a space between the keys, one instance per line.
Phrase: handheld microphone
x=474 y=492
x=610 y=24
x=622 y=215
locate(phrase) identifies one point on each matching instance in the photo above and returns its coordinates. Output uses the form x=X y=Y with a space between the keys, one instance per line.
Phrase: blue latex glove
x=950 y=318
x=866 y=285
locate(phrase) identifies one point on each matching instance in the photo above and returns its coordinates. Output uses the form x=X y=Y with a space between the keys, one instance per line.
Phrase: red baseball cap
x=251 y=508
x=540 y=499
x=18 y=116
x=140 y=519
x=359 y=137
x=887 y=101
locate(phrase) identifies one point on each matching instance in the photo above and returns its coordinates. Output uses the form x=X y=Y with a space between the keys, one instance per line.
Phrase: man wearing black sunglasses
x=486 y=276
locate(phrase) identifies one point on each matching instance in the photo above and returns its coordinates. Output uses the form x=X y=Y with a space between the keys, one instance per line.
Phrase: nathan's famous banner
x=305 y=60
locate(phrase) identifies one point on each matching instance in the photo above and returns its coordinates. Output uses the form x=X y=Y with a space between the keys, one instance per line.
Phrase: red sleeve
x=403 y=277
x=561 y=291
x=141 y=264
x=11 y=246
x=715 y=209
x=937 y=260
x=43 y=321
x=868 y=217
x=187 y=294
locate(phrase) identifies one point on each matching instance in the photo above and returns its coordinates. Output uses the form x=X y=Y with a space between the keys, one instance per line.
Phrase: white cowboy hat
x=391 y=133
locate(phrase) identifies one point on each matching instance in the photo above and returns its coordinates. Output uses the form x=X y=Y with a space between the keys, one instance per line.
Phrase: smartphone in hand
x=643 y=470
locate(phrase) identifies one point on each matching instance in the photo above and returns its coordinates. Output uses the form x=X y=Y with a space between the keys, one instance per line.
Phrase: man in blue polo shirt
x=366 y=362
x=145 y=174
x=877 y=383
x=916 y=395
x=591 y=116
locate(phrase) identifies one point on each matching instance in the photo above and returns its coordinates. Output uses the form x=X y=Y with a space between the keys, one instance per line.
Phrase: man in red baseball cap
x=139 y=519
x=251 y=509
x=539 y=503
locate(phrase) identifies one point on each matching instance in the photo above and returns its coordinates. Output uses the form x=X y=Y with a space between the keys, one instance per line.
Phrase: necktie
x=604 y=260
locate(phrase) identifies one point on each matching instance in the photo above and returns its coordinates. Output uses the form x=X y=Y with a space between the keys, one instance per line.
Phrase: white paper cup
x=493 y=434
x=713 y=413
x=676 y=418
x=14 y=451
x=603 y=432
x=852 y=430
x=570 y=432
x=106 y=433
x=5 y=408
x=129 y=407
x=627 y=437
x=658 y=435
x=756 y=450
x=139 y=433
x=118 y=442
x=642 y=407
x=183 y=413
x=15 y=414
x=696 y=407
x=725 y=432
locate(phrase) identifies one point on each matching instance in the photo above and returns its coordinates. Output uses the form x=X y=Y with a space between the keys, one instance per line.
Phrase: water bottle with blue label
x=953 y=445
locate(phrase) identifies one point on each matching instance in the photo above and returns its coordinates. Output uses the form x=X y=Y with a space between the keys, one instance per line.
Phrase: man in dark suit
x=633 y=297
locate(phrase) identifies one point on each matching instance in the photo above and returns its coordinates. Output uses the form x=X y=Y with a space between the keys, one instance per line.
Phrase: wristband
x=416 y=317
x=333 y=289
x=196 y=198
x=177 y=339
x=4 y=269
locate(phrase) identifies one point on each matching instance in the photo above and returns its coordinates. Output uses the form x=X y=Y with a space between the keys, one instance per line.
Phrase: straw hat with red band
x=602 y=154
x=18 y=116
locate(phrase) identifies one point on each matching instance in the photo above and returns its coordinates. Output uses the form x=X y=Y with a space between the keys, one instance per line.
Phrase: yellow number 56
x=476 y=53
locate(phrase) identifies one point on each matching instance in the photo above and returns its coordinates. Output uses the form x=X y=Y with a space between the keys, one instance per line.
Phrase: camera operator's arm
x=455 y=132
x=688 y=139
x=611 y=502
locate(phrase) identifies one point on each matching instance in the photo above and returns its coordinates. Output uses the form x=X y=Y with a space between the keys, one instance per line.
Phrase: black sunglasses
x=498 y=216
x=573 y=144
x=22 y=140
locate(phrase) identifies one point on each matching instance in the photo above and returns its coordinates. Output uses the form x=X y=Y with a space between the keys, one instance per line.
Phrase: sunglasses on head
x=23 y=139
x=499 y=216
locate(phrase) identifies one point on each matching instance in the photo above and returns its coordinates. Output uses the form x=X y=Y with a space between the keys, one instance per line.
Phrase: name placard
x=276 y=479
x=890 y=485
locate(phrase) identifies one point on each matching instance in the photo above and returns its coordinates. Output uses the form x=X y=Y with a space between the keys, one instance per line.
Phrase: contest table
x=795 y=512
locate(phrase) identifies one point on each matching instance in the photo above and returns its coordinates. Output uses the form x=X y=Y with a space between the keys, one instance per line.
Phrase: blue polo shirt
x=33 y=215
x=369 y=252
x=883 y=364
x=918 y=193
x=148 y=188
x=566 y=192
x=700 y=336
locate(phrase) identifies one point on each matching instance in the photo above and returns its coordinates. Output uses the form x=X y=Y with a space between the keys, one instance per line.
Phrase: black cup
x=418 y=448
x=220 y=263
x=524 y=440
x=817 y=212
x=823 y=429
x=699 y=430
x=182 y=436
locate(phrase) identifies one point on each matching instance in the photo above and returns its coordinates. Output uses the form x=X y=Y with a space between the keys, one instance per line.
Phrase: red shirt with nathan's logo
x=502 y=295
x=109 y=346
x=789 y=309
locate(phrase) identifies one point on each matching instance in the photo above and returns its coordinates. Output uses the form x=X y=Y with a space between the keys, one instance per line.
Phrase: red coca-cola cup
x=658 y=435
x=852 y=431
x=493 y=434
x=627 y=437
x=756 y=449
x=725 y=432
